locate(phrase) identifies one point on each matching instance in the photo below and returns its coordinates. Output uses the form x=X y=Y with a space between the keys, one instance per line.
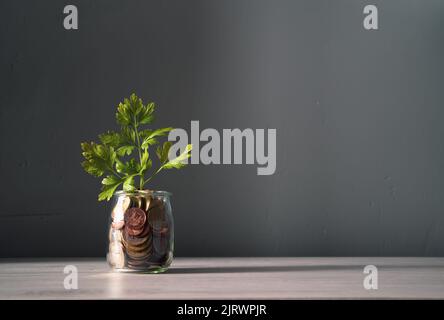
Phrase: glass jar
x=141 y=232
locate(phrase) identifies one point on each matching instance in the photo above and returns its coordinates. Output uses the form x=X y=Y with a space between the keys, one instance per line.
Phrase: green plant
x=112 y=157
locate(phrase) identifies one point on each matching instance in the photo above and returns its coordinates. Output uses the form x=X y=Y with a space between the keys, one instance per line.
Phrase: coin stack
x=115 y=255
x=160 y=226
x=139 y=233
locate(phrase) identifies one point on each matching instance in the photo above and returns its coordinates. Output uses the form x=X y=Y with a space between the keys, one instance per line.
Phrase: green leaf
x=111 y=180
x=123 y=115
x=109 y=186
x=120 y=166
x=128 y=136
x=99 y=158
x=178 y=162
x=149 y=136
x=132 y=167
x=160 y=132
x=128 y=184
x=128 y=168
x=111 y=138
x=92 y=169
x=146 y=116
x=148 y=165
x=136 y=104
x=125 y=150
x=145 y=162
x=145 y=157
x=108 y=191
x=162 y=152
x=132 y=112
x=148 y=142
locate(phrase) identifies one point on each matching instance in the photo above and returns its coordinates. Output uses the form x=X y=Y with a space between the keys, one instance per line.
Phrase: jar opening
x=143 y=193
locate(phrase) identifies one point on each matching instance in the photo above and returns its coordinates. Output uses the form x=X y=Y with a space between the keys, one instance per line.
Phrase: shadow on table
x=240 y=269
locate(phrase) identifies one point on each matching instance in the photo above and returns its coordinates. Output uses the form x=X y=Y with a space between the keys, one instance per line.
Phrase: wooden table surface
x=227 y=278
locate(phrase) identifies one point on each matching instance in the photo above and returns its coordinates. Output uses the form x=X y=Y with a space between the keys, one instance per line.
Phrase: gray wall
x=360 y=149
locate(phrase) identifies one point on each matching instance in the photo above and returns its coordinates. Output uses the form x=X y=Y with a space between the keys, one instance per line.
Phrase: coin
x=164 y=230
x=139 y=256
x=123 y=203
x=135 y=218
x=138 y=265
x=155 y=202
x=115 y=247
x=144 y=247
x=118 y=225
x=129 y=241
x=156 y=214
x=140 y=249
x=120 y=260
x=134 y=232
x=160 y=245
x=115 y=255
x=129 y=233
x=157 y=217
x=146 y=230
x=115 y=235
x=134 y=261
x=158 y=258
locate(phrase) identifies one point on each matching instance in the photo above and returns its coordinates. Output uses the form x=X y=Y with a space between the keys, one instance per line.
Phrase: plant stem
x=139 y=149
x=142 y=182
x=114 y=172
x=138 y=142
x=158 y=170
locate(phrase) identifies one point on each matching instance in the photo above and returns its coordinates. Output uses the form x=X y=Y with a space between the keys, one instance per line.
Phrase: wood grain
x=227 y=278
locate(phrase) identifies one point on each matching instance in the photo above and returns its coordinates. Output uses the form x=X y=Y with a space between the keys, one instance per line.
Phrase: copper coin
x=137 y=233
x=135 y=218
x=160 y=245
x=144 y=248
x=145 y=231
x=134 y=232
x=155 y=202
x=157 y=216
x=136 y=243
x=140 y=251
x=130 y=245
x=139 y=256
x=139 y=265
x=140 y=246
x=158 y=258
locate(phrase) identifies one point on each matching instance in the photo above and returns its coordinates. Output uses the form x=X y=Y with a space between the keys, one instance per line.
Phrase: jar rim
x=143 y=192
